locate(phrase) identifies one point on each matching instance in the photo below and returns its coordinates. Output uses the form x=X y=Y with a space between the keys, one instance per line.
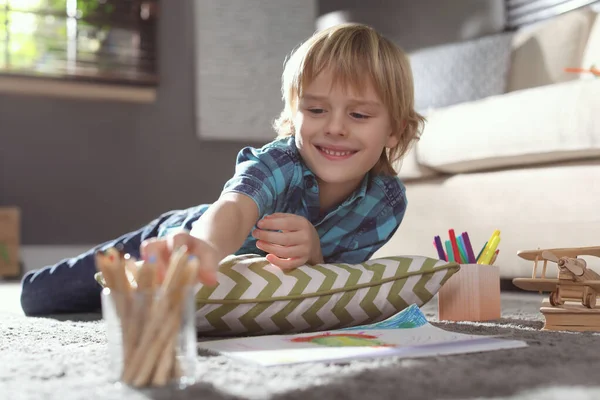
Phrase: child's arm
x=226 y=224
x=261 y=179
x=220 y=231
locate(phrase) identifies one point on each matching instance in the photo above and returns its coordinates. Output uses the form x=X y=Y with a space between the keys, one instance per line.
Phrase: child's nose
x=336 y=126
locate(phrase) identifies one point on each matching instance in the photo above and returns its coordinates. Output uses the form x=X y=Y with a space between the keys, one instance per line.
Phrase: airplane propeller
x=576 y=266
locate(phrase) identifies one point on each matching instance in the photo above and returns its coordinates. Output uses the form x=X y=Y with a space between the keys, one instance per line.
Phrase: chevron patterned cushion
x=253 y=297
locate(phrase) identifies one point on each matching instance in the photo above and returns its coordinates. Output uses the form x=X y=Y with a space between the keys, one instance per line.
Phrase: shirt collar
x=359 y=193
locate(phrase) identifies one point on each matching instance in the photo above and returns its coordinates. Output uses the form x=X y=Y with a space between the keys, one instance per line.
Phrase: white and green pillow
x=254 y=297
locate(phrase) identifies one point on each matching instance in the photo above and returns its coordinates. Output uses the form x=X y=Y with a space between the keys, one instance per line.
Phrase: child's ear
x=392 y=140
x=394 y=137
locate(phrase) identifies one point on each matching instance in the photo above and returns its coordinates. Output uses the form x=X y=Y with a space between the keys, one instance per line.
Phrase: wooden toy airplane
x=593 y=70
x=575 y=281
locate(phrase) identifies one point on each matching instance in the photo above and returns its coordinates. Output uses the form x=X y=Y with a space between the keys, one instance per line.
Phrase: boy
x=323 y=191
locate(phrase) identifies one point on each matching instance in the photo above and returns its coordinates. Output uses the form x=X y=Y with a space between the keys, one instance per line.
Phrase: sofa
x=524 y=160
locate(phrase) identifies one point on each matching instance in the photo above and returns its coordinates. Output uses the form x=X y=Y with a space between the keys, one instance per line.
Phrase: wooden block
x=472 y=294
x=10 y=238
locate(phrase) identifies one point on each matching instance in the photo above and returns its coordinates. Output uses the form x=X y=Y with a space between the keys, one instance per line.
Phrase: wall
x=84 y=172
x=241 y=47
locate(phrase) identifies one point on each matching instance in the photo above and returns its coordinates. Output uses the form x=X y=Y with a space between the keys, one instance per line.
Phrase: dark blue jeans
x=70 y=287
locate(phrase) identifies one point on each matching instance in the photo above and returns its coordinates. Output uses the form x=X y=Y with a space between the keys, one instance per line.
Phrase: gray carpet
x=49 y=358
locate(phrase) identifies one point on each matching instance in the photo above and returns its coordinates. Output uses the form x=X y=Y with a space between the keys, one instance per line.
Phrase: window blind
x=111 y=41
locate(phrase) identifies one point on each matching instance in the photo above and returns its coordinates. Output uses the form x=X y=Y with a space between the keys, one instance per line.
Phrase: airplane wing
x=537 y=284
x=560 y=252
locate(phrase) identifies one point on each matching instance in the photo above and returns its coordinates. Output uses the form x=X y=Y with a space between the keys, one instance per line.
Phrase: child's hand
x=296 y=244
x=162 y=249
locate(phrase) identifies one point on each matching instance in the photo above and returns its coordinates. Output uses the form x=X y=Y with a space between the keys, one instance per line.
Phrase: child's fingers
x=156 y=251
x=280 y=238
x=147 y=246
x=278 y=215
x=178 y=240
x=207 y=275
x=160 y=251
x=282 y=251
x=207 y=269
x=286 y=263
x=281 y=222
x=155 y=247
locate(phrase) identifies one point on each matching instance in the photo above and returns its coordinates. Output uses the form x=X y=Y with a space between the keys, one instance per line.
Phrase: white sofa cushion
x=591 y=56
x=544 y=124
x=542 y=52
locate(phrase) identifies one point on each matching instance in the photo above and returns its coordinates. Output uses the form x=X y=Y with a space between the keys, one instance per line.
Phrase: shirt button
x=309 y=182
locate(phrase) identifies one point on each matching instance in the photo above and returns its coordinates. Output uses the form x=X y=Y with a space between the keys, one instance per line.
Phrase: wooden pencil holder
x=471 y=294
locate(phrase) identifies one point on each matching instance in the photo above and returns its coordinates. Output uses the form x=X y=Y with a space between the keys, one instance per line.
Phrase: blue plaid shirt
x=278 y=180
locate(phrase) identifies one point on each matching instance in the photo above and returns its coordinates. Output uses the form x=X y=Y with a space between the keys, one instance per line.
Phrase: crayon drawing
x=330 y=339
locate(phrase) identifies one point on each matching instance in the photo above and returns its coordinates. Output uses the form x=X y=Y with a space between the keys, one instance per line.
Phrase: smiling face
x=341 y=132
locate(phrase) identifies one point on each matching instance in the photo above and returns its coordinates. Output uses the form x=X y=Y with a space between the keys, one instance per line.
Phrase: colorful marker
x=455 y=251
x=449 y=250
x=462 y=250
x=468 y=247
x=437 y=242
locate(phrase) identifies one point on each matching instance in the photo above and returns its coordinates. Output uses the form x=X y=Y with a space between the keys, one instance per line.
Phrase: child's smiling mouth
x=335 y=154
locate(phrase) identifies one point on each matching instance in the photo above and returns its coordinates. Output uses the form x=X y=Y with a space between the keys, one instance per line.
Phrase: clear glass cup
x=151 y=336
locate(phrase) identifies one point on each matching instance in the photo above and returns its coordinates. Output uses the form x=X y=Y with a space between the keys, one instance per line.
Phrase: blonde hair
x=353 y=51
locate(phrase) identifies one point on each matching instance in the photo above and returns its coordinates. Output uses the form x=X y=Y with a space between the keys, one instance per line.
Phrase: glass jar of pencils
x=150 y=325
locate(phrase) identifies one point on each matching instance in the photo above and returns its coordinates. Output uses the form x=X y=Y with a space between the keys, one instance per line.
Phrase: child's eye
x=316 y=110
x=359 y=116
